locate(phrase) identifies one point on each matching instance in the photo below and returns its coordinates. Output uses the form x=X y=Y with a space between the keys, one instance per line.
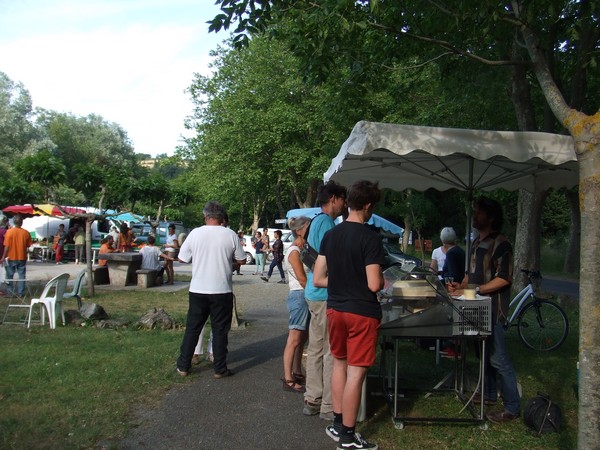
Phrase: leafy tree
x=16 y=191
x=16 y=129
x=43 y=169
x=169 y=167
x=95 y=153
x=556 y=215
x=263 y=130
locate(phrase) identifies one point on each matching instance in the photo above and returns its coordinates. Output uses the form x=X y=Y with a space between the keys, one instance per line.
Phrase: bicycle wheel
x=543 y=325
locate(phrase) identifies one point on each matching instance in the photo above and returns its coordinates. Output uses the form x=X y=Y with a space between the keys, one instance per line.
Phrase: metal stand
x=17 y=302
x=392 y=392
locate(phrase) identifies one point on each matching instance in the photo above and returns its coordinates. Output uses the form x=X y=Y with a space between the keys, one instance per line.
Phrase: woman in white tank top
x=293 y=377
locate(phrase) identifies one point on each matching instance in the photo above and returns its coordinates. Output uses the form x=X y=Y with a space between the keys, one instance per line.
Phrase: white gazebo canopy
x=407 y=156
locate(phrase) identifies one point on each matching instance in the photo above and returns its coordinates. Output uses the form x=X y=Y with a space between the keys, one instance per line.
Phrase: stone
x=156 y=318
x=93 y=311
x=73 y=317
x=112 y=324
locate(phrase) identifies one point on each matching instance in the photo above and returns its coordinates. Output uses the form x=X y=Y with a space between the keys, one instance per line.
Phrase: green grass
x=75 y=386
x=552 y=261
x=553 y=373
x=69 y=387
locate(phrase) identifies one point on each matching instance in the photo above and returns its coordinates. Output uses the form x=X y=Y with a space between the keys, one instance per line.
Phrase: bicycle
x=542 y=324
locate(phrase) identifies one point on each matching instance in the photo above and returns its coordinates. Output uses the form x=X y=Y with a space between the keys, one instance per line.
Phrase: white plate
x=477 y=297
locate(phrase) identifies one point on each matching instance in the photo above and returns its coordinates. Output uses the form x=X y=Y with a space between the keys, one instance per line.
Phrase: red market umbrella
x=24 y=210
x=42 y=209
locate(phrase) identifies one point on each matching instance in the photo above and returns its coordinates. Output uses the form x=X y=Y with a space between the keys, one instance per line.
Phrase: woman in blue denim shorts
x=293 y=378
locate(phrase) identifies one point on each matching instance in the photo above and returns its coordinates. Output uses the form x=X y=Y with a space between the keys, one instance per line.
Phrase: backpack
x=308 y=255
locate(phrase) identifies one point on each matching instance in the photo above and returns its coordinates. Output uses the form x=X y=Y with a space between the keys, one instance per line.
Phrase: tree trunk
x=421 y=244
x=529 y=206
x=589 y=293
x=572 y=256
x=406 y=235
x=278 y=200
x=585 y=130
x=257 y=209
x=528 y=235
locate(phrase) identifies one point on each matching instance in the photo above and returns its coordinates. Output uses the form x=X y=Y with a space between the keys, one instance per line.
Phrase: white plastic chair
x=77 y=287
x=51 y=303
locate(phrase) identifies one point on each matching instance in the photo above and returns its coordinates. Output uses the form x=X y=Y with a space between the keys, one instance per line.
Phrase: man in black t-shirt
x=349 y=265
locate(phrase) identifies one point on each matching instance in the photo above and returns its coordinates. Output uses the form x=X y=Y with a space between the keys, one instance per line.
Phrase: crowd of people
x=334 y=312
x=14 y=261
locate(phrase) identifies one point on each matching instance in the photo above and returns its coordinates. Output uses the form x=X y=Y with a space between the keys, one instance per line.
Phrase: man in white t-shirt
x=212 y=249
x=151 y=255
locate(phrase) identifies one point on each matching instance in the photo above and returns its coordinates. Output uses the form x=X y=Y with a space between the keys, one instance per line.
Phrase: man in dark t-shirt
x=349 y=265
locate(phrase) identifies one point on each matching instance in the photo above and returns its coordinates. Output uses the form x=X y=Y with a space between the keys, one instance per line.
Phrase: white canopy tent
x=406 y=156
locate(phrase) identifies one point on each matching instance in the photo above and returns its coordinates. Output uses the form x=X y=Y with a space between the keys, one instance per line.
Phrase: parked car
x=287 y=238
x=249 y=250
x=395 y=256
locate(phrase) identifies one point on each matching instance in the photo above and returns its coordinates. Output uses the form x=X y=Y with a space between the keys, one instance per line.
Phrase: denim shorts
x=298 y=309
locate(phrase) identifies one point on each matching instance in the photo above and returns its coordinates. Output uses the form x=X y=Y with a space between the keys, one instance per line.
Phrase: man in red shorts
x=349 y=265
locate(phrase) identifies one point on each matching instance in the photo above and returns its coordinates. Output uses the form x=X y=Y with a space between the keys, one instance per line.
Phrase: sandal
x=299 y=378
x=289 y=385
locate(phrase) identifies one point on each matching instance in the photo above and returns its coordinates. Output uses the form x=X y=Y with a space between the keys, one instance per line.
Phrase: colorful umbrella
x=42 y=209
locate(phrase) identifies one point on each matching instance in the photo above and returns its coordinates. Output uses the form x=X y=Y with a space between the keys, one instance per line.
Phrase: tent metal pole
x=469 y=214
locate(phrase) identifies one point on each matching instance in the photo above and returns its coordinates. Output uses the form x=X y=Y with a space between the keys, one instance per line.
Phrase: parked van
x=142 y=230
x=42 y=227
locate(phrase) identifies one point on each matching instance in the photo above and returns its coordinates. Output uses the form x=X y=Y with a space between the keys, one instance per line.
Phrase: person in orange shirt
x=14 y=258
x=126 y=239
x=106 y=247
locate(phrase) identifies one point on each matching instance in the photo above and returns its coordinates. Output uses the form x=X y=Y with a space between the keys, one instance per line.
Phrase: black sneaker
x=332 y=433
x=265 y=279
x=357 y=443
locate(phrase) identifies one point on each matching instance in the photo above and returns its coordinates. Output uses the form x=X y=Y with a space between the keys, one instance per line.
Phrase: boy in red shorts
x=349 y=265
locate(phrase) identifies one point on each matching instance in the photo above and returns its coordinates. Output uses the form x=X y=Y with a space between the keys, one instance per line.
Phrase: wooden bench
x=146 y=278
x=100 y=275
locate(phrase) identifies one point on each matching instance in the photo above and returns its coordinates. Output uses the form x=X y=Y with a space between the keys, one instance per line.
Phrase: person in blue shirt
x=319 y=362
x=349 y=266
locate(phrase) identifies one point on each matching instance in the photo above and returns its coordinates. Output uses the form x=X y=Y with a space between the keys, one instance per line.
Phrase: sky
x=128 y=61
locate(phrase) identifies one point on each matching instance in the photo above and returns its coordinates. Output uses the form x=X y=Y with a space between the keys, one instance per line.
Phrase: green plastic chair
x=77 y=287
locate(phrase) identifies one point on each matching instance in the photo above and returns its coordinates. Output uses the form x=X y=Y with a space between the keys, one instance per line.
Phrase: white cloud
x=128 y=61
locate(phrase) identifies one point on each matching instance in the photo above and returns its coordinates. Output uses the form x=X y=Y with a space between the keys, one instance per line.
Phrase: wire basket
x=472 y=317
